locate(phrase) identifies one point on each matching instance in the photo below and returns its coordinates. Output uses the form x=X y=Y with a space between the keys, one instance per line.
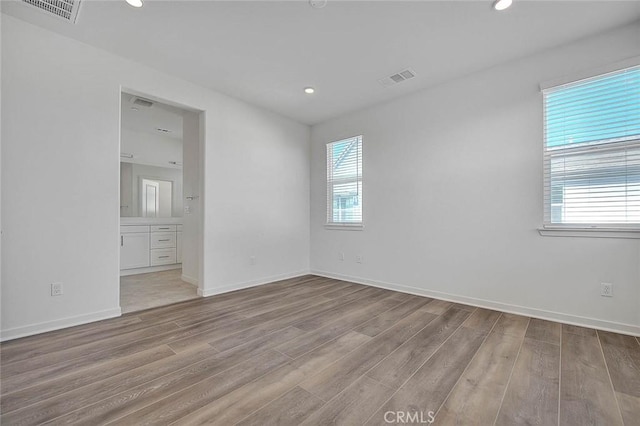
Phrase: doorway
x=160 y=213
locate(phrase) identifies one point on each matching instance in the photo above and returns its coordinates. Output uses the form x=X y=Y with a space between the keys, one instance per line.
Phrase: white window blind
x=592 y=152
x=344 y=182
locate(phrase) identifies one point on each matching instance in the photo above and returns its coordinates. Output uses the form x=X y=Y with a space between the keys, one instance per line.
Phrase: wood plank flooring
x=318 y=351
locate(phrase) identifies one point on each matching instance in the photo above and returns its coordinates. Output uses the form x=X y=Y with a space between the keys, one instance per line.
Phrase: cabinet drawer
x=179 y=228
x=163 y=256
x=163 y=228
x=129 y=229
x=163 y=240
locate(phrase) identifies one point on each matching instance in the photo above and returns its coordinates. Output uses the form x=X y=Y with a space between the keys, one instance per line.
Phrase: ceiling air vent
x=398 y=77
x=63 y=9
x=145 y=103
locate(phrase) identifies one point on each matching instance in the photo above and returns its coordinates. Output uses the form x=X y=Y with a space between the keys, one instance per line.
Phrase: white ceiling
x=266 y=52
x=149 y=120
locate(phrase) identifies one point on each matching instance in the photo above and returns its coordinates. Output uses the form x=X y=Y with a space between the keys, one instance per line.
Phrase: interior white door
x=150 y=198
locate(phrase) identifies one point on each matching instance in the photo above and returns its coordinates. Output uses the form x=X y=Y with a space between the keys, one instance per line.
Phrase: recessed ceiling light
x=502 y=4
x=318 y=4
x=135 y=3
x=309 y=90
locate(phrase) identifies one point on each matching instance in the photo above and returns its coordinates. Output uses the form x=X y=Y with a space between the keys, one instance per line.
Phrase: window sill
x=588 y=232
x=344 y=226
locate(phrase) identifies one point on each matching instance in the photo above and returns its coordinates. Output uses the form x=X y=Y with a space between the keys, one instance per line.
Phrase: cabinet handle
x=162 y=257
x=163 y=240
x=121 y=240
x=163 y=228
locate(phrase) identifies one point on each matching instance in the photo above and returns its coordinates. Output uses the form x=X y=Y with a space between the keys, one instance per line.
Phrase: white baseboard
x=149 y=269
x=15 y=333
x=29 y=330
x=253 y=283
x=604 y=325
x=188 y=279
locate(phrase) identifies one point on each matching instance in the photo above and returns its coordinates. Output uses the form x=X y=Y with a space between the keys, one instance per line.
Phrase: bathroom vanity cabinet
x=149 y=246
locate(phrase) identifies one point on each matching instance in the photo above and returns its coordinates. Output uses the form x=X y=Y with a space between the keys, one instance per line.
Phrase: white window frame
x=585 y=230
x=331 y=181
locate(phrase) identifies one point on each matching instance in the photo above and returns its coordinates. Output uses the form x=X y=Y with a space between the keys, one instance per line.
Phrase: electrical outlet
x=341 y=256
x=252 y=260
x=56 y=289
x=606 y=289
x=359 y=258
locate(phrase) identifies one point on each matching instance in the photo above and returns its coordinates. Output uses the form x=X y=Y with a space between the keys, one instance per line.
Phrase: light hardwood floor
x=144 y=291
x=316 y=351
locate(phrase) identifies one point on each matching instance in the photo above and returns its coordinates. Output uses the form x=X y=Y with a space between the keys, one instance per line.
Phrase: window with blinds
x=592 y=152
x=344 y=182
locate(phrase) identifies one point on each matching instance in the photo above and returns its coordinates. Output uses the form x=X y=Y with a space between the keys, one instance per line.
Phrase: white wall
x=453 y=197
x=153 y=150
x=257 y=183
x=192 y=176
x=60 y=115
x=1 y=239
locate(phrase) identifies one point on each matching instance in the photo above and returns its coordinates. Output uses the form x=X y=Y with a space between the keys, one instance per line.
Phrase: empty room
x=320 y=212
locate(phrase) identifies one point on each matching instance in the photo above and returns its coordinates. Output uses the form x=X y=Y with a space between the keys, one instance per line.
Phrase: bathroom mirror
x=150 y=191
x=150 y=159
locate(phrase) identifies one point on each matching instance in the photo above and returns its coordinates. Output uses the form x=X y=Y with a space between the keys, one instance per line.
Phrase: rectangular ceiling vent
x=398 y=77
x=63 y=9
x=145 y=103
